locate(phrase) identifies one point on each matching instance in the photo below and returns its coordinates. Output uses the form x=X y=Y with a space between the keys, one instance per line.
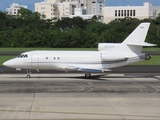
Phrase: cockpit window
x=22 y=56
x=25 y=56
x=18 y=56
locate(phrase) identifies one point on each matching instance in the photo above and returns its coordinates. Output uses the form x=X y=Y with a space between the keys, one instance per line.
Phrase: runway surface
x=69 y=96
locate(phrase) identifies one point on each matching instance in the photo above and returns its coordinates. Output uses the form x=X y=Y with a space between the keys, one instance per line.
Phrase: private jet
x=108 y=55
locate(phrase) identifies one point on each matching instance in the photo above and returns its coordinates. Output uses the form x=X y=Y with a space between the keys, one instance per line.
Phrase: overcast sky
x=30 y=3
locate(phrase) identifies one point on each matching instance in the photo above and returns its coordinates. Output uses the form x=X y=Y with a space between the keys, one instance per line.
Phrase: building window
x=122 y=13
x=115 y=12
x=134 y=13
x=119 y=13
x=127 y=12
x=130 y=12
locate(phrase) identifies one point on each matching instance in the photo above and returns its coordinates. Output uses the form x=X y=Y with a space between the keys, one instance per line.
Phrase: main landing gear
x=28 y=74
x=87 y=75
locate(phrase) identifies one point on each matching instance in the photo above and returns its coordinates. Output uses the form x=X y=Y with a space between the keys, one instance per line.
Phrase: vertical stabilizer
x=135 y=41
x=138 y=35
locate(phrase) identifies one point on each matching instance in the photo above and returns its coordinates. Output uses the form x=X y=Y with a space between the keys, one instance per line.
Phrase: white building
x=65 y=8
x=141 y=12
x=47 y=8
x=13 y=8
x=94 y=7
x=78 y=13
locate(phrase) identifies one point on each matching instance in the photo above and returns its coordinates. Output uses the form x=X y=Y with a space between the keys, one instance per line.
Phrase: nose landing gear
x=28 y=74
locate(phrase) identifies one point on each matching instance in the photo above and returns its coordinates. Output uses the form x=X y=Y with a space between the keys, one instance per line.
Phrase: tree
x=3 y=15
x=27 y=14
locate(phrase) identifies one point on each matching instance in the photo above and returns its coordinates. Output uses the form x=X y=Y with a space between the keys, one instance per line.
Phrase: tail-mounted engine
x=148 y=57
x=111 y=57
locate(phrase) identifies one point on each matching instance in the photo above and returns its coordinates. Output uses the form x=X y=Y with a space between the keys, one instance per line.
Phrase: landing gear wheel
x=87 y=75
x=28 y=76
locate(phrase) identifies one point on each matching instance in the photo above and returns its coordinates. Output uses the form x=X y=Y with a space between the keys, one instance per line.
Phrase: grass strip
x=5 y=58
x=155 y=60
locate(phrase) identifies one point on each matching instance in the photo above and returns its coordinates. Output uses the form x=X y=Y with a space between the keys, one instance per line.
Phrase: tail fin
x=133 y=43
x=135 y=40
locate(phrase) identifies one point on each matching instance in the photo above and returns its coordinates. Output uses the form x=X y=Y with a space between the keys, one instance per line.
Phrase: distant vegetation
x=29 y=29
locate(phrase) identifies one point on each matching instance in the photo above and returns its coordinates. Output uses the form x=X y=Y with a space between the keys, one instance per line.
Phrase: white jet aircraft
x=109 y=55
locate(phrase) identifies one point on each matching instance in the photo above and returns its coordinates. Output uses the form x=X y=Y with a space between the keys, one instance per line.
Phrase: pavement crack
x=36 y=85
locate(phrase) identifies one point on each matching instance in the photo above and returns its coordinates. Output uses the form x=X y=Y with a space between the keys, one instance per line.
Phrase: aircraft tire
x=87 y=75
x=28 y=76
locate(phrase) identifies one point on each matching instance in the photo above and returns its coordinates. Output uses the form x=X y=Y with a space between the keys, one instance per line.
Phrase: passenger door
x=34 y=61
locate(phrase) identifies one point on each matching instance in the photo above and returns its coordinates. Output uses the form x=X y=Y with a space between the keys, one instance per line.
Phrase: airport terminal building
x=141 y=12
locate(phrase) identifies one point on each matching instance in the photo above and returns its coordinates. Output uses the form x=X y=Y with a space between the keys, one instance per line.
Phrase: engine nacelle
x=113 y=57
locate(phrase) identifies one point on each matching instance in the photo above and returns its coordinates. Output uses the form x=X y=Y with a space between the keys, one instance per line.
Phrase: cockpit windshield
x=22 y=56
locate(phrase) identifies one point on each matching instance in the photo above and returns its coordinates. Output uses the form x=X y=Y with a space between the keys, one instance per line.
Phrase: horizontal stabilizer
x=141 y=44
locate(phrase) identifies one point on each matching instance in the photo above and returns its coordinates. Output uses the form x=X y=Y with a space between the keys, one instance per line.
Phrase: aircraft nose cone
x=8 y=63
x=5 y=63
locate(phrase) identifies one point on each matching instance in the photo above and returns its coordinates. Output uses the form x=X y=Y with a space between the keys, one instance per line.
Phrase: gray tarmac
x=69 y=96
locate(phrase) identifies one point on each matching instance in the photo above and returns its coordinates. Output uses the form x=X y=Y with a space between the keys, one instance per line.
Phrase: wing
x=92 y=70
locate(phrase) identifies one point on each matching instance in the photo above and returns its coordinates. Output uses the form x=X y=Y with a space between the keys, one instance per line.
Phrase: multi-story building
x=47 y=8
x=67 y=8
x=13 y=8
x=141 y=12
x=94 y=7
x=59 y=8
